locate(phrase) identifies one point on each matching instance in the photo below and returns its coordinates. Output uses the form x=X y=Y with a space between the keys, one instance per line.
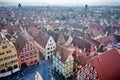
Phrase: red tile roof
x=56 y=35
x=63 y=53
x=10 y=28
x=20 y=42
x=107 y=40
x=42 y=38
x=108 y=65
x=115 y=25
x=33 y=31
x=81 y=44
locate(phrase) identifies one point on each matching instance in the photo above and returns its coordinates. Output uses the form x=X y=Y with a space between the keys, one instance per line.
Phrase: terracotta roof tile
x=63 y=53
x=108 y=65
x=42 y=38
x=10 y=28
x=33 y=31
x=81 y=43
x=21 y=40
x=55 y=35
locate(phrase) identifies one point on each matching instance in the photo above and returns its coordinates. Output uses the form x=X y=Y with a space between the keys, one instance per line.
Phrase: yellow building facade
x=8 y=57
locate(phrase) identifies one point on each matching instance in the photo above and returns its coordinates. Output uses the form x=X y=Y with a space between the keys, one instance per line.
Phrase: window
x=1 y=59
x=51 y=52
x=53 y=46
x=31 y=57
x=31 y=62
x=48 y=52
x=48 y=48
x=1 y=53
x=21 y=56
x=8 y=51
x=26 y=54
x=8 y=63
x=14 y=61
x=26 y=58
x=35 y=56
x=24 y=50
x=30 y=53
x=4 y=47
x=1 y=65
x=66 y=74
x=13 y=55
x=15 y=66
x=8 y=57
x=22 y=60
x=34 y=48
x=35 y=61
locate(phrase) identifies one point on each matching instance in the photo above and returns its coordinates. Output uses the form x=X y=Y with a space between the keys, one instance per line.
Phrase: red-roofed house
x=102 y=67
x=33 y=31
x=46 y=43
x=28 y=52
x=107 y=40
x=95 y=30
x=63 y=61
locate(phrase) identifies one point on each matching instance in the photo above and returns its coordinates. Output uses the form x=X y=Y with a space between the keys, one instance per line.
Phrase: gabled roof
x=107 y=65
x=64 y=53
x=10 y=27
x=92 y=41
x=115 y=25
x=80 y=43
x=42 y=38
x=55 y=35
x=21 y=40
x=107 y=39
x=77 y=33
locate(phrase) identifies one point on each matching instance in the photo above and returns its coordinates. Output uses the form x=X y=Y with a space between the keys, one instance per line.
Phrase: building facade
x=63 y=62
x=47 y=43
x=28 y=52
x=88 y=72
x=8 y=57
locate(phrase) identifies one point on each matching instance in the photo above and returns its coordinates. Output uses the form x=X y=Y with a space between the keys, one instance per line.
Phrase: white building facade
x=49 y=48
x=63 y=67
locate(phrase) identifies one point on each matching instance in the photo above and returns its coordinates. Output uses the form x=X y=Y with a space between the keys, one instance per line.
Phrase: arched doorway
x=23 y=65
x=15 y=66
x=9 y=68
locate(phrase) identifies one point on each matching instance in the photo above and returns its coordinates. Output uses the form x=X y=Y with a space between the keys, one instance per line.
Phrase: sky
x=67 y=1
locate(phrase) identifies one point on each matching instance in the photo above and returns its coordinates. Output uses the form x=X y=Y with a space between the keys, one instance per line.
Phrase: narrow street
x=44 y=68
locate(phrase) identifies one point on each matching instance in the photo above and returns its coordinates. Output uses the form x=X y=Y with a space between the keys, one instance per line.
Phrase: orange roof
x=64 y=53
x=108 y=65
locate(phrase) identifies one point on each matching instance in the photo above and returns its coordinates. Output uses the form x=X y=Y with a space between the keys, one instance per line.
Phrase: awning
x=15 y=70
x=5 y=74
